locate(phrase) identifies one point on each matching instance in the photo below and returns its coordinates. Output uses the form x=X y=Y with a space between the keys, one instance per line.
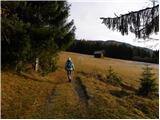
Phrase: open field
x=32 y=96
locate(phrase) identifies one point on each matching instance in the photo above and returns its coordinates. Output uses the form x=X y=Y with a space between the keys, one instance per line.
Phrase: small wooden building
x=98 y=54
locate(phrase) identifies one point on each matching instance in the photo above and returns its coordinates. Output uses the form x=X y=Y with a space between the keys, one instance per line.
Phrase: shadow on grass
x=26 y=76
x=119 y=93
x=130 y=88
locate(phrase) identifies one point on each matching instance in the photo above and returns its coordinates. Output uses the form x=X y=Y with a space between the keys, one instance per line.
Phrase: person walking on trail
x=69 y=67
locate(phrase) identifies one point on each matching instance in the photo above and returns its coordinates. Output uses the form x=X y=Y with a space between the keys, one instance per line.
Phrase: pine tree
x=148 y=84
x=15 y=40
x=35 y=29
x=112 y=77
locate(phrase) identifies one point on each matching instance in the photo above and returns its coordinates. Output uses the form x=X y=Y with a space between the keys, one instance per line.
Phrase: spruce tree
x=35 y=29
x=142 y=23
x=15 y=40
x=112 y=77
x=148 y=84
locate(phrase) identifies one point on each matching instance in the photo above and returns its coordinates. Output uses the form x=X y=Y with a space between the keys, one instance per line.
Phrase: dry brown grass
x=31 y=96
x=128 y=70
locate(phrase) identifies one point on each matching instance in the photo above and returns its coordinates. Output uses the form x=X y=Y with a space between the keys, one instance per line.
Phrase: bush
x=48 y=64
x=112 y=77
x=148 y=84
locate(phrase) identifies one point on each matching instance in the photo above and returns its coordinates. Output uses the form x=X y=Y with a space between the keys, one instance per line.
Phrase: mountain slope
x=117 y=43
x=88 y=96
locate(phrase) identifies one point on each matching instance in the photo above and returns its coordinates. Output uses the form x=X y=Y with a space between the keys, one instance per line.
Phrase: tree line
x=116 y=50
x=35 y=30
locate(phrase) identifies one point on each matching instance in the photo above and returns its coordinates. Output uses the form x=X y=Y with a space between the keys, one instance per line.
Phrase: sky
x=86 y=15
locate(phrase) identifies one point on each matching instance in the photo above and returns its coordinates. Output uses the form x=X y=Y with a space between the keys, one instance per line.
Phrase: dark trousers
x=69 y=74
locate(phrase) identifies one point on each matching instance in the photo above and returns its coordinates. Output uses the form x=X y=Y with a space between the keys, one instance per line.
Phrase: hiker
x=69 y=67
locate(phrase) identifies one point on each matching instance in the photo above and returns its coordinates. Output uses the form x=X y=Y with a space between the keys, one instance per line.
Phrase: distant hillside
x=117 y=43
x=116 y=49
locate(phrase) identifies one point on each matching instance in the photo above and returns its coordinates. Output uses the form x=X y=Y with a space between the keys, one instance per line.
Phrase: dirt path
x=81 y=91
x=49 y=101
x=62 y=102
x=67 y=100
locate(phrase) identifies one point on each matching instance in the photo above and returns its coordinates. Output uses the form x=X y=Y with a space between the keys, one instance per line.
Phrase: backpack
x=69 y=64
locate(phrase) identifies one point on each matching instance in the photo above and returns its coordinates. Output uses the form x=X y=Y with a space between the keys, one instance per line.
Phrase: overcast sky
x=87 y=13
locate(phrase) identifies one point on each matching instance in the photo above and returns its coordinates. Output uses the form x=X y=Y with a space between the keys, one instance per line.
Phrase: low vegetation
x=112 y=77
x=29 y=95
x=148 y=84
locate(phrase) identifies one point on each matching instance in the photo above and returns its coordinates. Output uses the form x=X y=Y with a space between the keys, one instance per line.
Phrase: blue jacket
x=69 y=65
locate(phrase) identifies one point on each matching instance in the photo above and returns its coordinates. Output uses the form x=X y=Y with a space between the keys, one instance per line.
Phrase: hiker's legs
x=69 y=75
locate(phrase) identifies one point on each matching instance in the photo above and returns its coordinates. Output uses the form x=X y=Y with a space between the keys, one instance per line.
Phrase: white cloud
x=86 y=15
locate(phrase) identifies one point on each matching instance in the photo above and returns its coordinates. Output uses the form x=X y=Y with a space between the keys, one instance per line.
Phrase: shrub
x=48 y=65
x=148 y=84
x=113 y=77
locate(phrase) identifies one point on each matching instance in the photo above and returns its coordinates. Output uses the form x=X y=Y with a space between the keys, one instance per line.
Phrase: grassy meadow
x=29 y=95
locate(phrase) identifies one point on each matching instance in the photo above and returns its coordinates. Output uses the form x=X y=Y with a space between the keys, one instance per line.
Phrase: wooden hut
x=98 y=54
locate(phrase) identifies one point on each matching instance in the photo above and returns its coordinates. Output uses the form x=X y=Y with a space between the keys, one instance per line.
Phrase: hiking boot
x=69 y=78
